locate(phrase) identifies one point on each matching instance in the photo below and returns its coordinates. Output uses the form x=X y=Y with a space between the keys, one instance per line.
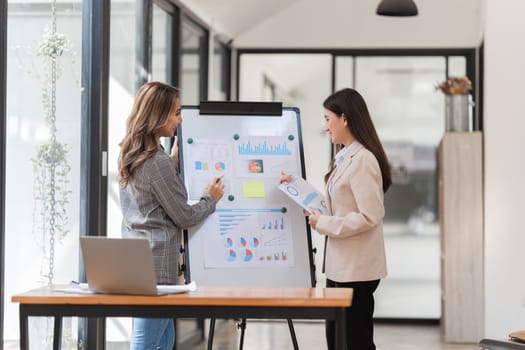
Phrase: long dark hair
x=350 y=103
x=151 y=109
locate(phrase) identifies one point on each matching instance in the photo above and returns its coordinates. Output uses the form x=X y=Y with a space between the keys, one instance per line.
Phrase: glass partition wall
x=193 y=62
x=122 y=87
x=43 y=156
x=409 y=116
x=160 y=44
x=220 y=89
x=277 y=77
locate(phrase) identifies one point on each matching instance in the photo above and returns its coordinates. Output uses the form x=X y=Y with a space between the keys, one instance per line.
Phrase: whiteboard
x=257 y=236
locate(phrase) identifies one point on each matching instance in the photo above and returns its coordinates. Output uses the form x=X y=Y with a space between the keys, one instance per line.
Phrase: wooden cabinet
x=461 y=221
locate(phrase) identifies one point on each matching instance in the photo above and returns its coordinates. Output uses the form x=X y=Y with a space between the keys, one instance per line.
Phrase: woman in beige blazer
x=357 y=179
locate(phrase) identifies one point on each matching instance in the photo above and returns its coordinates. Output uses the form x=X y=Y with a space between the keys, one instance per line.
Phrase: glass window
x=193 y=71
x=401 y=91
x=344 y=72
x=457 y=66
x=122 y=87
x=221 y=72
x=408 y=113
x=43 y=157
x=302 y=81
x=159 y=42
x=121 y=93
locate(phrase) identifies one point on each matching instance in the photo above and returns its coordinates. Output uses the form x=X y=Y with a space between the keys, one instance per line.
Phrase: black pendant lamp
x=397 y=8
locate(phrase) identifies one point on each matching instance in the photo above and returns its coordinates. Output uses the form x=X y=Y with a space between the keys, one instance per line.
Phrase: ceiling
x=339 y=23
x=233 y=17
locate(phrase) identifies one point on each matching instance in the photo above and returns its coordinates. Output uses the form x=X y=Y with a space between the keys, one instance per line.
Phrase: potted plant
x=456 y=90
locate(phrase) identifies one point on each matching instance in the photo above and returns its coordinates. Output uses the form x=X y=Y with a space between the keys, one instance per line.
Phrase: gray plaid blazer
x=154 y=206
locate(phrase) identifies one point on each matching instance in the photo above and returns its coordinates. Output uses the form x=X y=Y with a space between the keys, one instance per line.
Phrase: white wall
x=354 y=24
x=504 y=167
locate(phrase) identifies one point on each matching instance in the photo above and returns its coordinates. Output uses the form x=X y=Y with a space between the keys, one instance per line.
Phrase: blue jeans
x=152 y=334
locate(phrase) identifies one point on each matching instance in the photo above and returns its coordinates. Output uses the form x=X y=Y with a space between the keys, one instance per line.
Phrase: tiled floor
x=275 y=335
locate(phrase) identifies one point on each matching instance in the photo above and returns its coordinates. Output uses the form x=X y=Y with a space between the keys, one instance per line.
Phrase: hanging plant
x=50 y=163
x=51 y=195
x=43 y=61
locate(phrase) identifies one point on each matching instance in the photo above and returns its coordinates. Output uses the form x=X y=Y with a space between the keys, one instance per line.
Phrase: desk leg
x=340 y=329
x=24 y=329
x=57 y=333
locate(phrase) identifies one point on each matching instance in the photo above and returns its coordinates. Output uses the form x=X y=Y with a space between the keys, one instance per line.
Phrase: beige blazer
x=355 y=247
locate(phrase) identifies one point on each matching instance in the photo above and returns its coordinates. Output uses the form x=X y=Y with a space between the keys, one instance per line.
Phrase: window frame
x=472 y=56
x=3 y=132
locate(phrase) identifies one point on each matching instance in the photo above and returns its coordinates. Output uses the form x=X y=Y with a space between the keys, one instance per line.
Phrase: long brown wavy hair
x=350 y=103
x=151 y=109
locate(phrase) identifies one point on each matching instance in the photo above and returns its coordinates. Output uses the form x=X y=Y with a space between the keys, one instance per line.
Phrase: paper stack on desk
x=83 y=288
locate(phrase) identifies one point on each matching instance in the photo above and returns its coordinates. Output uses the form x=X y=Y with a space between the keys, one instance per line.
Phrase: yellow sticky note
x=253 y=189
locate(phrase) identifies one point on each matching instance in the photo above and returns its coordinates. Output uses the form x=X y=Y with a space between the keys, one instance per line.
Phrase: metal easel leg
x=210 y=335
x=242 y=326
x=292 y=333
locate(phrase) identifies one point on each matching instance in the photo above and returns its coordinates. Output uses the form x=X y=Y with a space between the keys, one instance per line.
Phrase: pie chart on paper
x=220 y=166
x=231 y=255
x=247 y=255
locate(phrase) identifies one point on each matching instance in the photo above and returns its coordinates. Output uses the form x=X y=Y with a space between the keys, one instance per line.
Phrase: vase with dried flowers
x=456 y=90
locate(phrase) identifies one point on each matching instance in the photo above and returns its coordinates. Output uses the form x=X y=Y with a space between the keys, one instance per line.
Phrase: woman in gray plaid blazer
x=154 y=199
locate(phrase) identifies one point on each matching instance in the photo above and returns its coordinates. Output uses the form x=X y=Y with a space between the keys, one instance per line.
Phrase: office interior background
x=68 y=81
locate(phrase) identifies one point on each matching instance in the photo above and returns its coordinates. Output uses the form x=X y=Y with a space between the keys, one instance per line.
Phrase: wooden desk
x=205 y=302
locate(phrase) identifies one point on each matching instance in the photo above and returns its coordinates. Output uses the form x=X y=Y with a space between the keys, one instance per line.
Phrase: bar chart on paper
x=263 y=148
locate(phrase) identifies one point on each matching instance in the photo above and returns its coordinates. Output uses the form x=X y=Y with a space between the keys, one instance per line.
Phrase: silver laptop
x=119 y=266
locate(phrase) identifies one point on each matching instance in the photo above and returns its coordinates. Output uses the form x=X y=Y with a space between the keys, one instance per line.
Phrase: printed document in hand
x=304 y=194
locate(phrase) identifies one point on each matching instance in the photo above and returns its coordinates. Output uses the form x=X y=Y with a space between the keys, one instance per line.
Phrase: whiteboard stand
x=242 y=326
x=233 y=130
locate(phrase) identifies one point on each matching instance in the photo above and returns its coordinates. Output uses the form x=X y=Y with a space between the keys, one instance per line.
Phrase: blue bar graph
x=263 y=149
x=229 y=219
